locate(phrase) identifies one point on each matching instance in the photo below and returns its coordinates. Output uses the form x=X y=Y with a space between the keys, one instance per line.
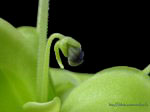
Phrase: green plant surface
x=18 y=47
x=65 y=81
x=52 y=106
x=124 y=85
x=17 y=68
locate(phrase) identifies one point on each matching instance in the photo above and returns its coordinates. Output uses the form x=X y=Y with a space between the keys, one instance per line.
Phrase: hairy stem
x=42 y=24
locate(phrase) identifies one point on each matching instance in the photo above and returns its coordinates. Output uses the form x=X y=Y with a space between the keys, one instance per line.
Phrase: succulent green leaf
x=117 y=85
x=51 y=106
x=147 y=70
x=31 y=37
x=65 y=81
x=17 y=66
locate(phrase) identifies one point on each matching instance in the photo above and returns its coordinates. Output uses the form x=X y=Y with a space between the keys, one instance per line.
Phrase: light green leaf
x=52 y=106
x=65 y=81
x=17 y=67
x=116 y=85
x=31 y=37
x=147 y=70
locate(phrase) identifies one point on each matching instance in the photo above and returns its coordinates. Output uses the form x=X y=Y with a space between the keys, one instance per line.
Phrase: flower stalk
x=42 y=24
x=70 y=48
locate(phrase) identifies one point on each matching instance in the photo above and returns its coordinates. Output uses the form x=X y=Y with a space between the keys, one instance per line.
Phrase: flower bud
x=75 y=56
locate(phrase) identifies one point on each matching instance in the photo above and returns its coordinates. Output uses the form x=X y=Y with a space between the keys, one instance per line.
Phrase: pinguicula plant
x=28 y=84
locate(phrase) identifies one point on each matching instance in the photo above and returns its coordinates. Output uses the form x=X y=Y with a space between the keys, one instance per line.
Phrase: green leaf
x=17 y=66
x=65 y=81
x=123 y=85
x=31 y=37
x=51 y=106
x=147 y=70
